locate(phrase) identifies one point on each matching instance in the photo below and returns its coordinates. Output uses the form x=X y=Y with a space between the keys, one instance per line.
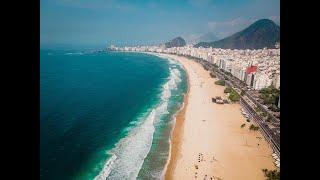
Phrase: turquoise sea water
x=106 y=115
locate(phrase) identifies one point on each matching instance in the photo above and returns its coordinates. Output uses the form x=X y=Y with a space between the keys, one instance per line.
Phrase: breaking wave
x=129 y=153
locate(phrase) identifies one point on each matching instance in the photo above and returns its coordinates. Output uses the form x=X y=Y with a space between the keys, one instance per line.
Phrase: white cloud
x=226 y=28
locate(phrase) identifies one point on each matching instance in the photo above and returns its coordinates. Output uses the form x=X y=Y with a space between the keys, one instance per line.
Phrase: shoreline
x=177 y=129
x=175 y=137
x=241 y=154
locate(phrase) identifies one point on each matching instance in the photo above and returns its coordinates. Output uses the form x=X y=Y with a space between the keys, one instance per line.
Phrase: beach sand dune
x=208 y=142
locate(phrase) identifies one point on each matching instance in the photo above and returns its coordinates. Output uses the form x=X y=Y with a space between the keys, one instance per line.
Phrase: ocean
x=107 y=115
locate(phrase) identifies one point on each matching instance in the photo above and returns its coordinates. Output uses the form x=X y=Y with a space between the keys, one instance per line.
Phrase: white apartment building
x=239 y=72
x=226 y=64
x=261 y=80
x=276 y=81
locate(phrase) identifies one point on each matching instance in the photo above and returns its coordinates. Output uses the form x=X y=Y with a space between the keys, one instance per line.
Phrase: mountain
x=260 y=34
x=176 y=42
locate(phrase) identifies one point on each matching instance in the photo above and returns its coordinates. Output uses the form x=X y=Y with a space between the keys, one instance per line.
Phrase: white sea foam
x=130 y=152
x=171 y=61
x=174 y=79
x=106 y=169
x=76 y=53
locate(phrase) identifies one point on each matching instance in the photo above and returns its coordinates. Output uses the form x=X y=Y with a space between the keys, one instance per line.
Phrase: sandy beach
x=208 y=141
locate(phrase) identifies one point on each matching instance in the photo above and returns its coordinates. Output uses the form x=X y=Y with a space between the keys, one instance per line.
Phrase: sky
x=98 y=23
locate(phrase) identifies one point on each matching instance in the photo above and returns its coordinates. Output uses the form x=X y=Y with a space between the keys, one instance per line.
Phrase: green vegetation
x=253 y=127
x=234 y=96
x=227 y=90
x=271 y=174
x=242 y=92
x=213 y=75
x=264 y=114
x=274 y=108
x=269 y=118
x=220 y=82
x=257 y=109
x=228 y=73
x=259 y=112
x=270 y=96
x=243 y=125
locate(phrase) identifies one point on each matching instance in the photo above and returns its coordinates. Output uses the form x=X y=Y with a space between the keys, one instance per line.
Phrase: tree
x=264 y=114
x=257 y=109
x=271 y=174
x=220 y=82
x=243 y=125
x=274 y=108
x=253 y=127
x=270 y=96
x=228 y=73
x=242 y=92
x=234 y=96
